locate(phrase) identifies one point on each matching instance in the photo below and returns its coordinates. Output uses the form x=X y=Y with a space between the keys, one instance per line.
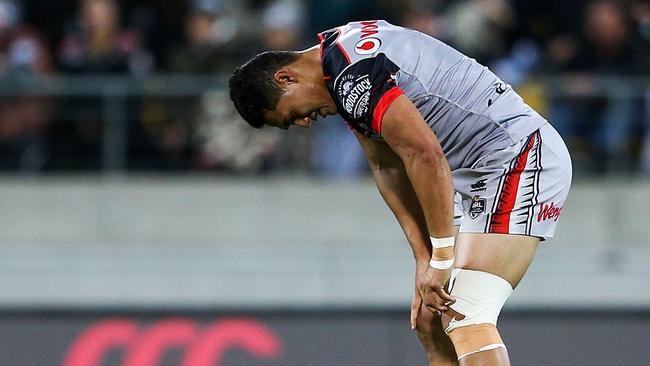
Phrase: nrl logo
x=477 y=206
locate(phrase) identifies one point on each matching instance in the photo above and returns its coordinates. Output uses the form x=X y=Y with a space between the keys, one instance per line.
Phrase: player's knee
x=471 y=320
x=429 y=328
x=475 y=338
x=479 y=298
x=435 y=342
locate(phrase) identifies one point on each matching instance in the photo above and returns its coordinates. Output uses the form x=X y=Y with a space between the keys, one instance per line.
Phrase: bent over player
x=474 y=176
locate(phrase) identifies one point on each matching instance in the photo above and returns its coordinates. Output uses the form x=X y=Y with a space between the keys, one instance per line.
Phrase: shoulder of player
x=355 y=41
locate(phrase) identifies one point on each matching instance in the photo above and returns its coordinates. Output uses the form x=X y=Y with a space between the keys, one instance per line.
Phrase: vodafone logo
x=367 y=46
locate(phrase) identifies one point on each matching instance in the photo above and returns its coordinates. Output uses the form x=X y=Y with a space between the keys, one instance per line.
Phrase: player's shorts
x=517 y=190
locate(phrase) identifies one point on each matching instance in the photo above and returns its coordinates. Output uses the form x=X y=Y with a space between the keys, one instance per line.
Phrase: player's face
x=302 y=103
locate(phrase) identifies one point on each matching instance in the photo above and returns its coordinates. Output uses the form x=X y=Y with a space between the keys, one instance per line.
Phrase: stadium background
x=144 y=224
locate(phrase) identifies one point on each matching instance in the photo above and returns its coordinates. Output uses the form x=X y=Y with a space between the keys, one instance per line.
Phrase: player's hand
x=432 y=289
x=415 y=309
x=422 y=278
x=416 y=303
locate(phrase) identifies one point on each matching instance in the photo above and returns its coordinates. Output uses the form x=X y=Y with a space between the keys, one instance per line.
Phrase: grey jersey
x=472 y=112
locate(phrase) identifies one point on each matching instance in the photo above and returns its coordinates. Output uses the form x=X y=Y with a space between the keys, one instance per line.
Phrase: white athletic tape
x=443 y=264
x=479 y=297
x=486 y=348
x=438 y=243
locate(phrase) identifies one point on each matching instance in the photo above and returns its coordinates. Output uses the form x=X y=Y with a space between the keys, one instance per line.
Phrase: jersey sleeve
x=384 y=91
x=361 y=83
x=364 y=90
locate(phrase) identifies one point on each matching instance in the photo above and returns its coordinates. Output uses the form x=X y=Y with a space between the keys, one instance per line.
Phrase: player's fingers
x=434 y=304
x=446 y=298
x=415 y=310
x=436 y=309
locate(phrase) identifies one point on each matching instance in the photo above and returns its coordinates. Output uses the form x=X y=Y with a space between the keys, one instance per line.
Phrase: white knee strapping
x=489 y=347
x=479 y=297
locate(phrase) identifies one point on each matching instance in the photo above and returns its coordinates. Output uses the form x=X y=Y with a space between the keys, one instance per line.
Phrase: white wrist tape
x=443 y=264
x=438 y=243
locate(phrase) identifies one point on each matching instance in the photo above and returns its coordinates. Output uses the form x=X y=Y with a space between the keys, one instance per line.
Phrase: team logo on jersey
x=477 y=206
x=355 y=93
x=367 y=46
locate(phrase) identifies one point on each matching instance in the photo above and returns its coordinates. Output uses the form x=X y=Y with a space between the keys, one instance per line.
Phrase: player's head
x=281 y=88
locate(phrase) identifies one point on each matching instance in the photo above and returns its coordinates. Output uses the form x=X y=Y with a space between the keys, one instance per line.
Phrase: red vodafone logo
x=145 y=346
x=367 y=46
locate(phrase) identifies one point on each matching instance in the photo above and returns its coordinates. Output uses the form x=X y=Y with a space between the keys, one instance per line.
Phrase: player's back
x=470 y=109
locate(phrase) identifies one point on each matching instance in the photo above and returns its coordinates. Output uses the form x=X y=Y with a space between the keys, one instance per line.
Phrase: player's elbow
x=426 y=154
x=433 y=157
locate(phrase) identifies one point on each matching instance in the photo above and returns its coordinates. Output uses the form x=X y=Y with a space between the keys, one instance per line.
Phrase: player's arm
x=408 y=135
x=396 y=190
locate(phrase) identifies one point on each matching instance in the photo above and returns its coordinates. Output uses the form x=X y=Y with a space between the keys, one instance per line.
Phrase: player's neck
x=311 y=62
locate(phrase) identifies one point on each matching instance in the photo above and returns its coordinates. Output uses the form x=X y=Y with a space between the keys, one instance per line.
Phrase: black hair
x=253 y=88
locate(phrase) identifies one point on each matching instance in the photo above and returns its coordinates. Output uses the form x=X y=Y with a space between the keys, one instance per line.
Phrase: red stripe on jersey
x=321 y=39
x=382 y=106
x=341 y=47
x=500 y=221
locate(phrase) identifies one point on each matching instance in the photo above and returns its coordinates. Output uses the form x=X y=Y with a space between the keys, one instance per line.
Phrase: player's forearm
x=430 y=177
x=395 y=188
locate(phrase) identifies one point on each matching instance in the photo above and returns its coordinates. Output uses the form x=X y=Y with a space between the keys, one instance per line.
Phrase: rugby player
x=474 y=176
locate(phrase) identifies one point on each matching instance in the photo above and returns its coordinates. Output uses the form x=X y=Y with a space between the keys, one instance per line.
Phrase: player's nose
x=304 y=122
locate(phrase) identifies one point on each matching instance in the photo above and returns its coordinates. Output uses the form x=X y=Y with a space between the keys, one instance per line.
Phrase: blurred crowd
x=584 y=64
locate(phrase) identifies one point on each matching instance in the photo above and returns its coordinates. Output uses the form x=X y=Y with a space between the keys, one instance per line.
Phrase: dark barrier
x=314 y=338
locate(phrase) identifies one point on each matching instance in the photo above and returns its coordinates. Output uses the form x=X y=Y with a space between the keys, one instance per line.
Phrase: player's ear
x=284 y=76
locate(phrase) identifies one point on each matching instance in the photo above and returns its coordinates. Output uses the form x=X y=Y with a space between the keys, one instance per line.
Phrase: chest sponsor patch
x=354 y=91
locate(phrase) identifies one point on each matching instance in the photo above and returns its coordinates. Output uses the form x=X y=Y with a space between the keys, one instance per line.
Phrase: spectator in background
x=480 y=28
x=282 y=22
x=213 y=43
x=24 y=119
x=100 y=44
x=323 y=15
x=210 y=44
x=424 y=16
x=197 y=130
x=641 y=14
x=600 y=127
x=203 y=51
x=96 y=43
x=327 y=14
x=640 y=11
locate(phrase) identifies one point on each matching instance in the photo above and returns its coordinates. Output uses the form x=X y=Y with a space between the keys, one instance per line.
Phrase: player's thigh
x=505 y=255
